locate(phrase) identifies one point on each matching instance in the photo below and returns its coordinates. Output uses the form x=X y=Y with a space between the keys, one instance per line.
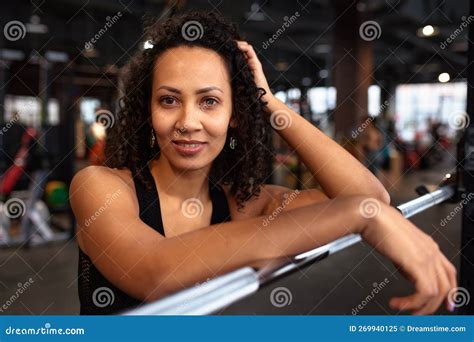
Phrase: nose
x=189 y=118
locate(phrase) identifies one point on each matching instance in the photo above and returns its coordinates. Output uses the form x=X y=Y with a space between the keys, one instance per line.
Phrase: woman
x=182 y=197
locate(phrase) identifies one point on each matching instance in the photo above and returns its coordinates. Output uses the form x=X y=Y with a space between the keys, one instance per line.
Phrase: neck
x=180 y=184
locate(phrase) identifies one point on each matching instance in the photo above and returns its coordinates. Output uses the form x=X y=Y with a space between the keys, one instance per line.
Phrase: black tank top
x=97 y=295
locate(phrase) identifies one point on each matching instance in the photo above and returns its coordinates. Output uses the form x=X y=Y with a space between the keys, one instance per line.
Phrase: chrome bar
x=205 y=298
x=224 y=290
x=426 y=201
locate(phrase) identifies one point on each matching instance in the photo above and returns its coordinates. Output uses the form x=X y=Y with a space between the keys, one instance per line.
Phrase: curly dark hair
x=127 y=145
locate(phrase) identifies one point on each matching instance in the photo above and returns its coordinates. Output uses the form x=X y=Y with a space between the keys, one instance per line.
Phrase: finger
x=451 y=271
x=452 y=277
x=424 y=290
x=412 y=302
x=246 y=50
x=443 y=288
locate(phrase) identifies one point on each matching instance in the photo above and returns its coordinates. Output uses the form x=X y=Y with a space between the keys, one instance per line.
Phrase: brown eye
x=209 y=102
x=167 y=100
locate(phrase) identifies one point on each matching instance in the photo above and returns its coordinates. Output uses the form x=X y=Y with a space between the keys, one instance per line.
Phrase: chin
x=188 y=164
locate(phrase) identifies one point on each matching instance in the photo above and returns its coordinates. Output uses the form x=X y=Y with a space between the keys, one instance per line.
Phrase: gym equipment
x=35 y=225
x=4 y=223
x=224 y=290
x=11 y=177
x=56 y=194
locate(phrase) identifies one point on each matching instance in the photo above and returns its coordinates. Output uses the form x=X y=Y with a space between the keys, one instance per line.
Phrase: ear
x=233 y=122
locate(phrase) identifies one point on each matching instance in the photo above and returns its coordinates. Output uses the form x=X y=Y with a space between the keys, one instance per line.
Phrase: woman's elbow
x=379 y=192
x=154 y=290
x=384 y=196
x=153 y=284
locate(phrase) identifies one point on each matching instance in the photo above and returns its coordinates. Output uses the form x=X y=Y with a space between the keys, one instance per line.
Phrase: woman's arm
x=147 y=266
x=335 y=169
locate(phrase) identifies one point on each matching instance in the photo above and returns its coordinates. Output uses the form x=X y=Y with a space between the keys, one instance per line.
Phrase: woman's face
x=191 y=90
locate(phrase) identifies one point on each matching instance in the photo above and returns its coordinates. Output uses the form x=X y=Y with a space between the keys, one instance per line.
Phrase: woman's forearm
x=335 y=169
x=205 y=253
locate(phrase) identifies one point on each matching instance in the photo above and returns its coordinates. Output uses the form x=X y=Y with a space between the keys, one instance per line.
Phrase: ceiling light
x=444 y=77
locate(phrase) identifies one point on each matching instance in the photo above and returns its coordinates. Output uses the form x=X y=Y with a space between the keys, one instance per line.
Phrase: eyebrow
x=199 y=91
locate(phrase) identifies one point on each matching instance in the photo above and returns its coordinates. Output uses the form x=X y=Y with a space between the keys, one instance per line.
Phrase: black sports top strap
x=149 y=202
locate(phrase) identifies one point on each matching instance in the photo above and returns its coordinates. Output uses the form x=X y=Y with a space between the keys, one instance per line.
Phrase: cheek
x=162 y=124
x=217 y=127
x=217 y=123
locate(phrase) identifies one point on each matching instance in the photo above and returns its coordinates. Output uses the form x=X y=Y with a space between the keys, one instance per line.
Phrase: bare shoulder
x=102 y=177
x=100 y=183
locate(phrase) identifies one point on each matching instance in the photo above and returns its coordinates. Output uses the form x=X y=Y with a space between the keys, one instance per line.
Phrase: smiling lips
x=189 y=147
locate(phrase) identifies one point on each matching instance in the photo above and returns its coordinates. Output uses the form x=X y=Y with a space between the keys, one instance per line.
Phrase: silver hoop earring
x=233 y=143
x=152 y=138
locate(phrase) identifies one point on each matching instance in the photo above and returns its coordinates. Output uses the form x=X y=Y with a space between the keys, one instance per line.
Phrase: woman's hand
x=256 y=68
x=417 y=256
